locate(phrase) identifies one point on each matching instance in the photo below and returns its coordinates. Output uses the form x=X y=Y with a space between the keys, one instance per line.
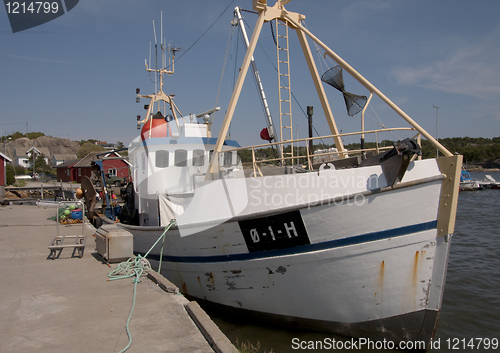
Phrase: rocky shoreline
x=478 y=168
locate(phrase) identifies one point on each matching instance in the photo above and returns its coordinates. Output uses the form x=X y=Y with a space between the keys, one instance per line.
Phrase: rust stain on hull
x=379 y=287
x=417 y=263
x=381 y=275
x=414 y=276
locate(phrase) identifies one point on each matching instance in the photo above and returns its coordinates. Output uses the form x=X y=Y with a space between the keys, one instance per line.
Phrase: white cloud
x=470 y=69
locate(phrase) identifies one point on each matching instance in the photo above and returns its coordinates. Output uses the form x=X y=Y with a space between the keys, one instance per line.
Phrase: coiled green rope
x=134 y=267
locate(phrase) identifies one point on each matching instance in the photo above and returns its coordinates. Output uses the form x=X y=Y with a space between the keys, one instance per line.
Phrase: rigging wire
x=240 y=37
x=234 y=60
x=272 y=63
x=321 y=59
x=276 y=69
x=228 y=47
x=197 y=40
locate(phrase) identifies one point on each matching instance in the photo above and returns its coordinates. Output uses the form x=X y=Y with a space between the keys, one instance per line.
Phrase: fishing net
x=353 y=102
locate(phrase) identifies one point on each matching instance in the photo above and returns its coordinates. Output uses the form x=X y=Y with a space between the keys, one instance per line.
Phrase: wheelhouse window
x=180 y=159
x=161 y=160
x=228 y=158
x=198 y=158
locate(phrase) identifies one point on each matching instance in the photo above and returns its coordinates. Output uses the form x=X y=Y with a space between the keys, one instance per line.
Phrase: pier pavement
x=67 y=304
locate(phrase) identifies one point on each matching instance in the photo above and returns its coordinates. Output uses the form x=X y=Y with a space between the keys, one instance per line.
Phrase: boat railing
x=307 y=159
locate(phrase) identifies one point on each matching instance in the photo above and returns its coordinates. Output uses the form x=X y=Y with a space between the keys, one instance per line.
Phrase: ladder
x=284 y=90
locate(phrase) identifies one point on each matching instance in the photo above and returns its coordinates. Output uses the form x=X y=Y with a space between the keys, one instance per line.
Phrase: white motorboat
x=489 y=182
x=467 y=183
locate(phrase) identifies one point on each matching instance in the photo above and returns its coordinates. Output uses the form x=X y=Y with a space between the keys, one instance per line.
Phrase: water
x=471 y=304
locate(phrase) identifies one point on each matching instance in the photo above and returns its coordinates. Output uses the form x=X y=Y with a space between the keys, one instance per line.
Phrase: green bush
x=9 y=174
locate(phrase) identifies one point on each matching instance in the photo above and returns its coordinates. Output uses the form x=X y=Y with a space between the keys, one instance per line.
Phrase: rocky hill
x=55 y=145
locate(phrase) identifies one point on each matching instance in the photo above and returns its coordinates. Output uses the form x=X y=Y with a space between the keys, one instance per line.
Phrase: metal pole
x=214 y=162
x=310 y=123
x=260 y=87
x=297 y=137
x=437 y=128
x=363 y=122
x=321 y=93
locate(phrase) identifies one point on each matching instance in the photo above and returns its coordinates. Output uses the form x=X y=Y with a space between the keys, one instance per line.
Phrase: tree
x=245 y=156
x=16 y=135
x=88 y=147
x=92 y=141
x=19 y=170
x=119 y=146
x=34 y=135
x=9 y=175
x=40 y=163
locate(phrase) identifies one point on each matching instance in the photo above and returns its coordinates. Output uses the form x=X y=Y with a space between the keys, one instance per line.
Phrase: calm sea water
x=471 y=304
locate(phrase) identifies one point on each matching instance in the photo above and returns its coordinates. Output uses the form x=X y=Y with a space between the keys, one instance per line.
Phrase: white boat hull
x=371 y=267
x=470 y=185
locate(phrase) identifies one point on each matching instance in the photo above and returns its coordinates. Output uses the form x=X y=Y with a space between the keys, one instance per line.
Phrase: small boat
x=489 y=182
x=357 y=246
x=467 y=183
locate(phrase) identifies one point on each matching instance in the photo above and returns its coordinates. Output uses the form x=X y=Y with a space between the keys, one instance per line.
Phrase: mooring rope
x=134 y=267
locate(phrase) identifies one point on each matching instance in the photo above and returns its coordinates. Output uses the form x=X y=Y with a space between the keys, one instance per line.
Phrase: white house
x=22 y=155
x=61 y=158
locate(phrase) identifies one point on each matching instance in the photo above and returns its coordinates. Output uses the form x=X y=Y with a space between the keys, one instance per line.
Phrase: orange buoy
x=157 y=127
x=79 y=193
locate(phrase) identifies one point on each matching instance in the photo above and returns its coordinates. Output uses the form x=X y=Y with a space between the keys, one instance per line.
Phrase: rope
x=228 y=48
x=134 y=267
x=196 y=41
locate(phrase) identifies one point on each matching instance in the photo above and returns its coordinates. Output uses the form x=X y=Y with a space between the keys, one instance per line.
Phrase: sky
x=75 y=77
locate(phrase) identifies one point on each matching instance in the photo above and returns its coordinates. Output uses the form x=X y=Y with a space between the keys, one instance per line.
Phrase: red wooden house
x=76 y=169
x=3 y=179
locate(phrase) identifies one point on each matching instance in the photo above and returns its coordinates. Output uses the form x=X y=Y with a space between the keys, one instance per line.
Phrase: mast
x=278 y=11
x=266 y=14
x=214 y=162
x=159 y=96
x=258 y=81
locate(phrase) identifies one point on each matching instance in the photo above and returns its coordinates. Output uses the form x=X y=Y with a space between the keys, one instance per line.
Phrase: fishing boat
x=357 y=245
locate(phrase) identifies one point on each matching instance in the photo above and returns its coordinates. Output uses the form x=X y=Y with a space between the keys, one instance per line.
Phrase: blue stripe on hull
x=358 y=239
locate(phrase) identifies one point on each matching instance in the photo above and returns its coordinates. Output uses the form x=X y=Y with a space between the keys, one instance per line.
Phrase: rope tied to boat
x=135 y=267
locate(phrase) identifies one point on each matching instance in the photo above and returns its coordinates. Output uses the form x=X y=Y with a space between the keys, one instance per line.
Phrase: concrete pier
x=67 y=304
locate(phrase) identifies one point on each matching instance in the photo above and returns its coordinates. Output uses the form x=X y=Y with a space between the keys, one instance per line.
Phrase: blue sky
x=75 y=77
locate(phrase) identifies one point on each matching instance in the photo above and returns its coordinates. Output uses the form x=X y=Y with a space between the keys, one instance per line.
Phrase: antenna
x=164 y=57
x=169 y=61
x=156 y=57
x=163 y=41
x=154 y=31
